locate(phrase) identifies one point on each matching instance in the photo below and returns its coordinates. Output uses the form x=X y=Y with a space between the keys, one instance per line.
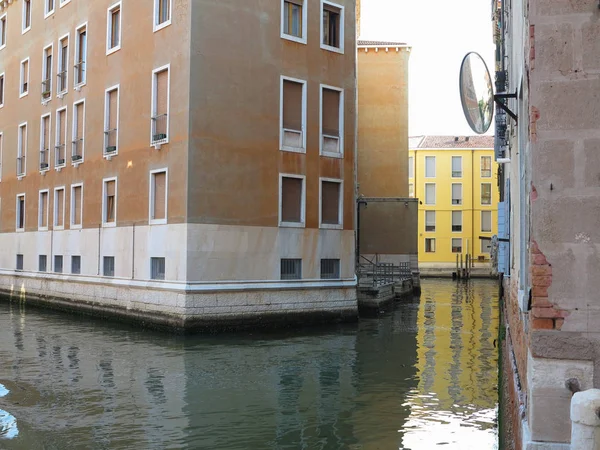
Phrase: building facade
x=456 y=182
x=157 y=165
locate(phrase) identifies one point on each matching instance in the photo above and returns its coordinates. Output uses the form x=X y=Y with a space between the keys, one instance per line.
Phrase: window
x=63 y=2
x=429 y=220
x=456 y=221
x=42 y=263
x=331 y=203
x=332 y=121
x=162 y=14
x=429 y=245
x=47 y=73
x=24 y=89
x=21 y=150
x=58 y=263
x=63 y=64
x=48 y=7
x=411 y=167
x=77 y=144
x=111 y=121
x=45 y=142
x=486 y=193
x=430 y=193
x=43 y=210
x=291 y=269
x=456 y=194
x=20 y=216
x=81 y=55
x=1 y=143
x=330 y=269
x=332 y=27
x=291 y=200
x=160 y=106
x=1 y=90
x=486 y=221
x=293 y=115
x=19 y=262
x=26 y=25
x=76 y=264
x=293 y=20
x=411 y=190
x=59 y=208
x=113 y=28
x=109 y=202
x=430 y=167
x=456 y=166
x=157 y=268
x=486 y=167
x=61 y=138
x=2 y=31
x=76 y=205
x=158 y=196
x=456 y=245
x=486 y=245
x=108 y=266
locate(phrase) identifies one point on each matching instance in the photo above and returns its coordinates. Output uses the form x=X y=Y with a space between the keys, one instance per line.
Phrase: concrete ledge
x=371 y=300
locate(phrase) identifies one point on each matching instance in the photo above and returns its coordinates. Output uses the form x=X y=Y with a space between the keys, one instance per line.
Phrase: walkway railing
x=376 y=274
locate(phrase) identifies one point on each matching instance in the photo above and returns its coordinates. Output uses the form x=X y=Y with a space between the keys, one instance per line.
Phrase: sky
x=441 y=33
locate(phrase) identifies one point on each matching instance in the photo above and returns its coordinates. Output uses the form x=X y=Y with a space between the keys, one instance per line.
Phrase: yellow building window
x=486 y=167
x=456 y=245
x=430 y=245
x=486 y=193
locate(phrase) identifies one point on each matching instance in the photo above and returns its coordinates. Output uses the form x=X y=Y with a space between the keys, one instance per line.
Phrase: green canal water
x=421 y=376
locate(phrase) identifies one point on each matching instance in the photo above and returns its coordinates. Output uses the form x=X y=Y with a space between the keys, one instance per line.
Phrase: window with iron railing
x=47 y=74
x=291 y=269
x=160 y=107
x=111 y=120
x=330 y=269
x=63 y=61
x=21 y=149
x=44 y=159
x=78 y=134
x=61 y=144
x=81 y=56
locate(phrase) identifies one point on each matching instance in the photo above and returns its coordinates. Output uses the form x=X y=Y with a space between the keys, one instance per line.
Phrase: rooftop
x=450 y=142
x=362 y=43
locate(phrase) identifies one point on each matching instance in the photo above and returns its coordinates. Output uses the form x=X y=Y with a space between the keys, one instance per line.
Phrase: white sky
x=441 y=33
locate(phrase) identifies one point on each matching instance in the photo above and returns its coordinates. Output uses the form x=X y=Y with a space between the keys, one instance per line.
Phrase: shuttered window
x=43 y=209
x=76 y=204
x=110 y=201
x=114 y=27
x=486 y=221
x=456 y=194
x=61 y=126
x=430 y=166
x=292 y=105
x=162 y=91
x=331 y=112
x=59 y=207
x=291 y=199
x=79 y=120
x=456 y=221
x=429 y=220
x=46 y=133
x=411 y=167
x=429 y=193
x=159 y=196
x=486 y=193
x=25 y=76
x=457 y=166
x=330 y=202
x=457 y=245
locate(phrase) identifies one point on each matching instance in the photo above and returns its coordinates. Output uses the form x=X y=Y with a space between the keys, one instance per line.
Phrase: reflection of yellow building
x=455 y=180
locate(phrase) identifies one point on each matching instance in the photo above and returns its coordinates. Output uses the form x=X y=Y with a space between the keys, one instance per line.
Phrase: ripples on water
x=421 y=376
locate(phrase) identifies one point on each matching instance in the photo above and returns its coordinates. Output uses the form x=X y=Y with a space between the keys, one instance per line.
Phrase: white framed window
x=80 y=67
x=60 y=140
x=292 y=200
x=76 y=214
x=430 y=193
x=1 y=89
x=59 y=208
x=48 y=8
x=292 y=115
x=62 y=76
x=486 y=167
x=456 y=221
x=113 y=28
x=330 y=269
x=22 y=150
x=42 y=263
x=20 y=212
x=111 y=121
x=291 y=269
x=332 y=26
x=411 y=167
x=486 y=221
x=78 y=135
x=43 y=210
x=294 y=20
x=486 y=193
x=158 y=204
x=26 y=24
x=456 y=194
x=486 y=245
x=161 y=91
x=76 y=264
x=58 y=263
x=331 y=111
x=24 y=80
x=45 y=127
x=162 y=14
x=457 y=167
x=429 y=245
x=108 y=266
x=456 y=245
x=157 y=268
x=47 y=73
x=63 y=3
x=2 y=31
x=430 y=167
x=429 y=221
x=411 y=190
x=109 y=202
x=331 y=203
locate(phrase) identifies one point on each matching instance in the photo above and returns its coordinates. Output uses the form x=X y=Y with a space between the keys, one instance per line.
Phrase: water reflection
x=421 y=375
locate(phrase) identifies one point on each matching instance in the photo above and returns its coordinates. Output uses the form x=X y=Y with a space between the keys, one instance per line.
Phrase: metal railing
x=159 y=129
x=44 y=159
x=20 y=166
x=79 y=73
x=62 y=81
x=59 y=155
x=375 y=274
x=110 y=141
x=46 y=88
x=77 y=150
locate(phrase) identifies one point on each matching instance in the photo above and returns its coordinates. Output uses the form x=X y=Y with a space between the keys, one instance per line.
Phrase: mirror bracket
x=499 y=99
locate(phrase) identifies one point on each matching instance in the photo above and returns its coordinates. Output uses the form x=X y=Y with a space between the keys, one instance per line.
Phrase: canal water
x=422 y=375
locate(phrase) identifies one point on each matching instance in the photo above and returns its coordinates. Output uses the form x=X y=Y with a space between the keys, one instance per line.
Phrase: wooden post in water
x=457 y=272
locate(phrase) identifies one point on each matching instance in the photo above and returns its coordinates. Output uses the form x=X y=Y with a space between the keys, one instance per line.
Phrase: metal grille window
x=486 y=221
x=58 y=263
x=456 y=245
x=429 y=245
x=456 y=221
x=108 y=266
x=42 y=263
x=429 y=193
x=486 y=167
x=157 y=268
x=430 y=167
x=486 y=193
x=19 y=262
x=293 y=17
x=76 y=265
x=291 y=269
x=429 y=220
x=330 y=269
x=456 y=194
x=456 y=166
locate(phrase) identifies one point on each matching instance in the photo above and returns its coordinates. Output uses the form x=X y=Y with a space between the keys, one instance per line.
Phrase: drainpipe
x=133 y=252
x=99 y=232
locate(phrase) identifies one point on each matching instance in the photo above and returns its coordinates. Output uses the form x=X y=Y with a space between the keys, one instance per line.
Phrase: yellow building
x=456 y=182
